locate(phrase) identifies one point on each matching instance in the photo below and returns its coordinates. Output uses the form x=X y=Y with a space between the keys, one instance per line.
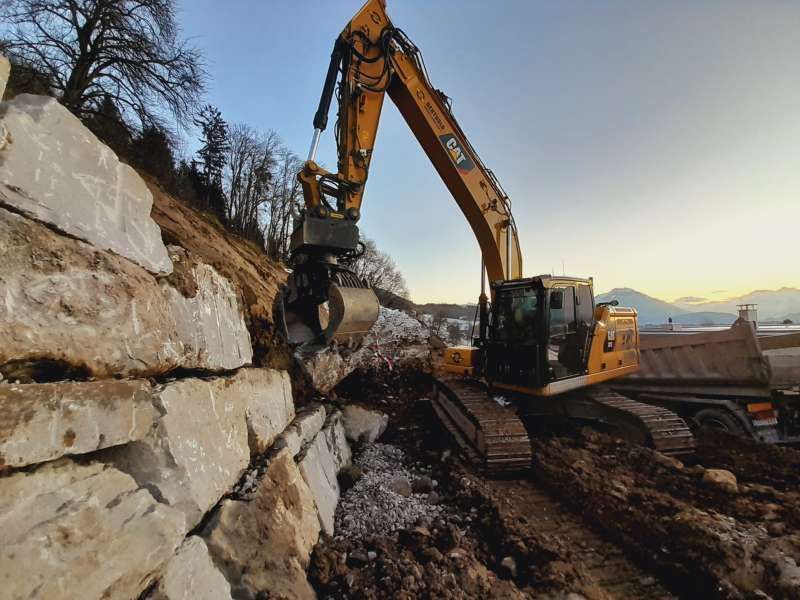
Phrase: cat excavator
x=543 y=343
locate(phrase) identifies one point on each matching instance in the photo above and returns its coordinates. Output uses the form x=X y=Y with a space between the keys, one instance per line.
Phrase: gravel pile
x=371 y=507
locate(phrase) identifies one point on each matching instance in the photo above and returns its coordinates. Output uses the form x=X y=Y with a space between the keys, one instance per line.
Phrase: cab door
x=564 y=349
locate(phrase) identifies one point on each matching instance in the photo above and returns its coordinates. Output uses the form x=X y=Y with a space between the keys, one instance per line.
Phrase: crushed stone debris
x=370 y=507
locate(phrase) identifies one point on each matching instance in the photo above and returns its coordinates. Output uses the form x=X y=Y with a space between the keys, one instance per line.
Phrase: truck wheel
x=718 y=418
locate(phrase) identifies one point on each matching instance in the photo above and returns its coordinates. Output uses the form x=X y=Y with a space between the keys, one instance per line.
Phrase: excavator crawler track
x=490 y=434
x=667 y=432
x=494 y=437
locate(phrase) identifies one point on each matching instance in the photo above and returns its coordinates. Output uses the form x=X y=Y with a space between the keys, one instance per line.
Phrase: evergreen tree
x=212 y=155
x=152 y=151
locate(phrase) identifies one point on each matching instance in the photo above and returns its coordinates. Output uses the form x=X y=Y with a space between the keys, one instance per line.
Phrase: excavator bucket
x=343 y=316
x=351 y=314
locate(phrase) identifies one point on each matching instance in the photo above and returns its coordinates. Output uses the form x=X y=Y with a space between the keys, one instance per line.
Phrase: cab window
x=515 y=316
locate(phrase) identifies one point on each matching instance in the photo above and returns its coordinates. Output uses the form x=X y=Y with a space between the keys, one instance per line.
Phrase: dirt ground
x=594 y=518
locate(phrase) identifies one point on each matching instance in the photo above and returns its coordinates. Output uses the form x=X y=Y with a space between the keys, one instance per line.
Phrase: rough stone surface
x=263 y=545
x=361 y=424
x=190 y=575
x=210 y=321
x=320 y=466
x=325 y=369
x=5 y=73
x=68 y=303
x=269 y=406
x=240 y=261
x=303 y=429
x=55 y=170
x=43 y=421
x=199 y=448
x=81 y=531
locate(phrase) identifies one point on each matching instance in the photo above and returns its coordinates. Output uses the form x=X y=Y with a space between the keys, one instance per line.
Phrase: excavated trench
x=595 y=516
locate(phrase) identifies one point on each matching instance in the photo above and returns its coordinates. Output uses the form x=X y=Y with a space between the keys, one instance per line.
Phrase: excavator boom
x=372 y=58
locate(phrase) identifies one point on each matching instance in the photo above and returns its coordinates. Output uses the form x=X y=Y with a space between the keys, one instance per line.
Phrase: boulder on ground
x=68 y=305
x=208 y=315
x=263 y=545
x=320 y=466
x=53 y=169
x=199 y=448
x=43 y=421
x=724 y=480
x=190 y=575
x=363 y=425
x=81 y=531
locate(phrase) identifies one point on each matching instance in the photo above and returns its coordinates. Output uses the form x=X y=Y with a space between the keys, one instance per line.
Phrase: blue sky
x=650 y=144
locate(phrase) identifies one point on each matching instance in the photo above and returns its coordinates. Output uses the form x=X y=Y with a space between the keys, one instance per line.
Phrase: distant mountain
x=690 y=300
x=772 y=304
x=706 y=318
x=651 y=310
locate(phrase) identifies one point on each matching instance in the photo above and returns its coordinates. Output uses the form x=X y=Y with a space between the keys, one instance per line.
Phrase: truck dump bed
x=722 y=362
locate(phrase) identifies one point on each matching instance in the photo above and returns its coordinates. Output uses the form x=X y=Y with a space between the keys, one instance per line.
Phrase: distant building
x=749 y=313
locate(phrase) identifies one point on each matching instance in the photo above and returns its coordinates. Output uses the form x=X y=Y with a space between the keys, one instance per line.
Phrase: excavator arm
x=371 y=58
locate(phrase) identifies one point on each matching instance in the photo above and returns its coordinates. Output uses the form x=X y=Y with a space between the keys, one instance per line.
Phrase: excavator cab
x=539 y=331
x=545 y=335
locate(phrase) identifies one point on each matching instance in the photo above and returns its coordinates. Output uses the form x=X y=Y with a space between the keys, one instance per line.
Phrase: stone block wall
x=143 y=454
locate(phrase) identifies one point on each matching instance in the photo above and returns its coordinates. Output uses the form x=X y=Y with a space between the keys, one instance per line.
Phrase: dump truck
x=732 y=379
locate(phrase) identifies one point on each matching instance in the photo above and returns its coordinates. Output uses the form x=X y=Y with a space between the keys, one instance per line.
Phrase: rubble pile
x=387 y=497
x=396 y=341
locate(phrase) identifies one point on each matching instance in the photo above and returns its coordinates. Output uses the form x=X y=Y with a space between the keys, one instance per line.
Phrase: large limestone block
x=361 y=424
x=320 y=466
x=55 y=170
x=190 y=575
x=263 y=545
x=269 y=405
x=43 y=421
x=199 y=448
x=65 y=302
x=303 y=429
x=210 y=320
x=5 y=73
x=81 y=531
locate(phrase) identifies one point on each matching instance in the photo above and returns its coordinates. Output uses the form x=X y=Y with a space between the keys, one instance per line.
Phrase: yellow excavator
x=543 y=343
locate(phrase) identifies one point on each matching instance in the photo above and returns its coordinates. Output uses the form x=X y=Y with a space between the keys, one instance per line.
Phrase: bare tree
x=278 y=217
x=128 y=50
x=251 y=159
x=380 y=270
